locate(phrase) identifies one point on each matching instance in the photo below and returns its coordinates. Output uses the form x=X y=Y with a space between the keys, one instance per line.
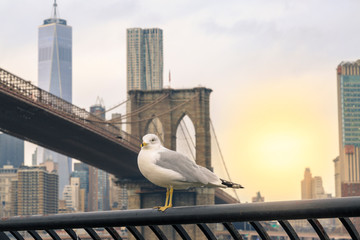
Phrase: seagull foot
x=164 y=208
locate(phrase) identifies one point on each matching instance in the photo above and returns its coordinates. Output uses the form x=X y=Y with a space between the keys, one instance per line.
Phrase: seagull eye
x=153 y=140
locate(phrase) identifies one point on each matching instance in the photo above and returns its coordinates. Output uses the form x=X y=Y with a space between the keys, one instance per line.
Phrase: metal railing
x=22 y=89
x=140 y=223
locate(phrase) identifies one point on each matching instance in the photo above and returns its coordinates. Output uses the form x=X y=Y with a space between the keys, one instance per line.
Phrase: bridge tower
x=162 y=110
x=166 y=108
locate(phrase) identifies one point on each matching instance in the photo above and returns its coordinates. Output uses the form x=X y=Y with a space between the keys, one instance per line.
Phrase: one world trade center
x=55 y=76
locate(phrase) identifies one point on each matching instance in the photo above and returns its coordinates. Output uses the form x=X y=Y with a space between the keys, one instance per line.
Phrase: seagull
x=172 y=170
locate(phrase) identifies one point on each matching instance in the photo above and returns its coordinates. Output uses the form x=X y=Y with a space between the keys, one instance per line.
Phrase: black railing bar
x=17 y=235
x=289 y=230
x=181 y=231
x=115 y=235
x=206 y=230
x=260 y=230
x=72 y=234
x=349 y=226
x=160 y=235
x=53 y=234
x=319 y=229
x=233 y=231
x=92 y=233
x=3 y=236
x=35 y=235
x=135 y=232
x=285 y=210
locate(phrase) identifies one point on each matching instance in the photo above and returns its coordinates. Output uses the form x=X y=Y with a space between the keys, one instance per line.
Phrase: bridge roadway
x=32 y=114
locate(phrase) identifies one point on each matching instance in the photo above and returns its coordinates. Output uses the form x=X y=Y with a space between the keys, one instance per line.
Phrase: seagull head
x=150 y=141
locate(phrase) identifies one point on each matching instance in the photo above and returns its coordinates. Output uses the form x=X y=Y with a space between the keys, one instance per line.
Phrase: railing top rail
x=282 y=210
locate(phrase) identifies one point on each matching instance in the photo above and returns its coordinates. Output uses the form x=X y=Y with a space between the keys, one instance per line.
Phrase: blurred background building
x=11 y=151
x=144 y=59
x=34 y=191
x=312 y=187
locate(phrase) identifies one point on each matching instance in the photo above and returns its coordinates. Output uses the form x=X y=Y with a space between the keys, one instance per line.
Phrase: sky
x=271 y=66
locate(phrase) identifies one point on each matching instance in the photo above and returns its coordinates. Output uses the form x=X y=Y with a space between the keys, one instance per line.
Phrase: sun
x=280 y=149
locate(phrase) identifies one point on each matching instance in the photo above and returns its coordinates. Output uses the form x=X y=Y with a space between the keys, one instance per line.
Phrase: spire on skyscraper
x=54 y=5
x=55 y=16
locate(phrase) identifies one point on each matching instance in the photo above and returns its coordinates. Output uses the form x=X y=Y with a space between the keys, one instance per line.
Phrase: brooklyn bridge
x=35 y=115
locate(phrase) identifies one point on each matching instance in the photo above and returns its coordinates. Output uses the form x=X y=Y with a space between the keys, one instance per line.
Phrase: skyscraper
x=35 y=191
x=81 y=170
x=347 y=166
x=306 y=189
x=7 y=174
x=11 y=151
x=71 y=195
x=312 y=187
x=55 y=57
x=144 y=59
x=55 y=76
x=98 y=198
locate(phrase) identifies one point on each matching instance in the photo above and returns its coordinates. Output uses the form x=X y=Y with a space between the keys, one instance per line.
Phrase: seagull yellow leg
x=171 y=196
x=168 y=202
x=166 y=199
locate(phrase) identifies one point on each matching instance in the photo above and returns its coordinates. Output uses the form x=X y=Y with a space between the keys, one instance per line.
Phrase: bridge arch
x=170 y=106
x=185 y=137
x=155 y=126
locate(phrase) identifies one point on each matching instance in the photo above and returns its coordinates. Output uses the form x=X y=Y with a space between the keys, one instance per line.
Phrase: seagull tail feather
x=230 y=184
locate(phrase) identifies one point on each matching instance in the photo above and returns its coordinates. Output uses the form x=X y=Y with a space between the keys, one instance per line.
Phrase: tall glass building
x=347 y=166
x=55 y=57
x=144 y=59
x=55 y=76
x=11 y=151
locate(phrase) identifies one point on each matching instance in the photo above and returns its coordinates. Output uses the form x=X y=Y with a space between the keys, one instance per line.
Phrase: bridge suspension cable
x=182 y=127
x=162 y=113
x=222 y=158
x=116 y=106
x=113 y=121
x=140 y=109
x=188 y=133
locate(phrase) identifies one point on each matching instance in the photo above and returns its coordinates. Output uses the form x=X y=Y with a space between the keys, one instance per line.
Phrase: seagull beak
x=143 y=144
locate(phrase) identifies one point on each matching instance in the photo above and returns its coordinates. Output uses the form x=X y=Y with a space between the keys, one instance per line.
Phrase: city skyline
x=274 y=104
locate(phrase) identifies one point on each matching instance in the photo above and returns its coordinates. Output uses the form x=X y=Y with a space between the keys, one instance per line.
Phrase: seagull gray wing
x=181 y=164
